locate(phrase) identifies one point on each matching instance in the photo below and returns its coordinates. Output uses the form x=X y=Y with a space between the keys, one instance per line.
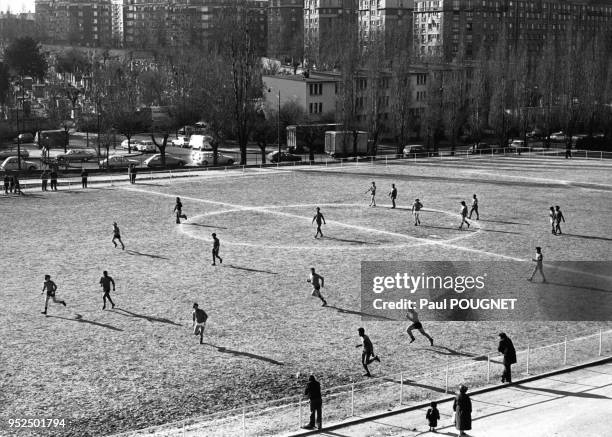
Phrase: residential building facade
x=386 y=24
x=286 y=29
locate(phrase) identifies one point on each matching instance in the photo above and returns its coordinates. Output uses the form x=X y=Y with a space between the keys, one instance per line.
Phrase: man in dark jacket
x=507 y=349
x=313 y=391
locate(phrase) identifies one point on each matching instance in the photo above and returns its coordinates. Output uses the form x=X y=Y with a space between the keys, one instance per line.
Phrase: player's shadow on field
x=142 y=316
x=148 y=255
x=581 y=394
x=503 y=222
x=345 y=240
x=443 y=350
x=358 y=313
x=205 y=226
x=231 y=266
x=412 y=383
x=245 y=354
x=577 y=287
x=79 y=318
x=587 y=237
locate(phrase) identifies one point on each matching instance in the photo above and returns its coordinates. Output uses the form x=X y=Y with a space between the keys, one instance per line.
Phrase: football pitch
x=139 y=364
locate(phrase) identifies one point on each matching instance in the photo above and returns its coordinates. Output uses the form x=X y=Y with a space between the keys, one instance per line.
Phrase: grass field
x=139 y=364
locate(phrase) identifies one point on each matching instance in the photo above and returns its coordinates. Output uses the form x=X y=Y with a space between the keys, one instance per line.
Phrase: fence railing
x=399 y=390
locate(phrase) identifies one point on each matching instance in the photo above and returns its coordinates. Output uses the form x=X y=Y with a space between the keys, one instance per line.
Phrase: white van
x=200 y=148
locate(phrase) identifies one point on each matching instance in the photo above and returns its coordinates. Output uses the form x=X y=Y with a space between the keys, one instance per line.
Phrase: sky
x=17 y=5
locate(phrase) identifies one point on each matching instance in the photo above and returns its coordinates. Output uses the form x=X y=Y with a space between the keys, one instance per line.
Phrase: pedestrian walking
x=464 y=213
x=54 y=179
x=539 y=260
x=105 y=283
x=199 y=322
x=313 y=391
x=44 y=177
x=432 y=416
x=413 y=316
x=117 y=236
x=416 y=211
x=7 y=183
x=50 y=287
x=12 y=184
x=393 y=195
x=317 y=282
x=17 y=184
x=319 y=219
x=133 y=174
x=568 y=150
x=84 y=176
x=178 y=209
x=215 y=250
x=372 y=191
x=558 y=219
x=462 y=406
x=506 y=348
x=474 y=208
x=368 y=351
x=552 y=217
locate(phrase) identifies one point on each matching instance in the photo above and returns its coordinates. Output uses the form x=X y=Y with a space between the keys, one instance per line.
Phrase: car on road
x=76 y=155
x=414 y=150
x=181 y=141
x=479 y=148
x=558 y=137
x=171 y=161
x=284 y=157
x=518 y=145
x=12 y=163
x=146 y=146
x=207 y=158
x=12 y=151
x=118 y=161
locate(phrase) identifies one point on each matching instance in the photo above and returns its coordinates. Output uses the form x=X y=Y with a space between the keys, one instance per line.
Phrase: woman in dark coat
x=462 y=406
x=507 y=348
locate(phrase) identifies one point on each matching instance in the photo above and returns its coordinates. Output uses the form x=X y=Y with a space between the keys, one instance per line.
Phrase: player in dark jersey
x=199 y=321
x=117 y=235
x=318 y=218
x=558 y=218
x=105 y=283
x=464 y=213
x=416 y=324
x=368 y=351
x=215 y=250
x=178 y=209
x=50 y=287
x=393 y=195
x=372 y=191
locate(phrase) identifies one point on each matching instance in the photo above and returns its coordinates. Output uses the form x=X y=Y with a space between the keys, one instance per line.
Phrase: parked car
x=284 y=157
x=118 y=161
x=558 y=137
x=207 y=158
x=133 y=144
x=146 y=146
x=12 y=163
x=24 y=138
x=536 y=133
x=5 y=153
x=76 y=155
x=415 y=150
x=171 y=161
x=181 y=141
x=517 y=145
x=479 y=148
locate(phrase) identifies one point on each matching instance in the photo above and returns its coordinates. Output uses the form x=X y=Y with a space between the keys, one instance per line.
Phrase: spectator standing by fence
x=507 y=349
x=54 y=179
x=84 y=176
x=44 y=177
x=462 y=406
x=11 y=184
x=313 y=391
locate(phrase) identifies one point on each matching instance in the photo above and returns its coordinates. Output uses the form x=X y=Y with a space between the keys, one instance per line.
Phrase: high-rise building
x=385 y=24
x=451 y=28
x=286 y=29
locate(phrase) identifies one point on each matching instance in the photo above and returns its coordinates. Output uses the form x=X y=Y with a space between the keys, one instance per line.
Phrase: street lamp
x=277 y=124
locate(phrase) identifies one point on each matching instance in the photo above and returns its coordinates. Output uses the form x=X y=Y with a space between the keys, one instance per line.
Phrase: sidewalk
x=576 y=403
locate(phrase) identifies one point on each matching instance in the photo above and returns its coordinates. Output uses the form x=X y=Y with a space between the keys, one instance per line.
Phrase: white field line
x=421 y=241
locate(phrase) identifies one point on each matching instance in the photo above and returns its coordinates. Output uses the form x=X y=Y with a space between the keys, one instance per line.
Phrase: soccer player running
x=372 y=191
x=474 y=208
x=464 y=213
x=178 y=209
x=117 y=235
x=558 y=218
x=552 y=216
x=416 y=324
x=105 y=283
x=317 y=282
x=539 y=260
x=318 y=218
x=199 y=321
x=215 y=250
x=50 y=287
x=368 y=351
x=393 y=195
x=416 y=208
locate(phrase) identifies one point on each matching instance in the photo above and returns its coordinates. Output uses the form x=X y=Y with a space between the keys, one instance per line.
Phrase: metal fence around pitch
x=390 y=392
